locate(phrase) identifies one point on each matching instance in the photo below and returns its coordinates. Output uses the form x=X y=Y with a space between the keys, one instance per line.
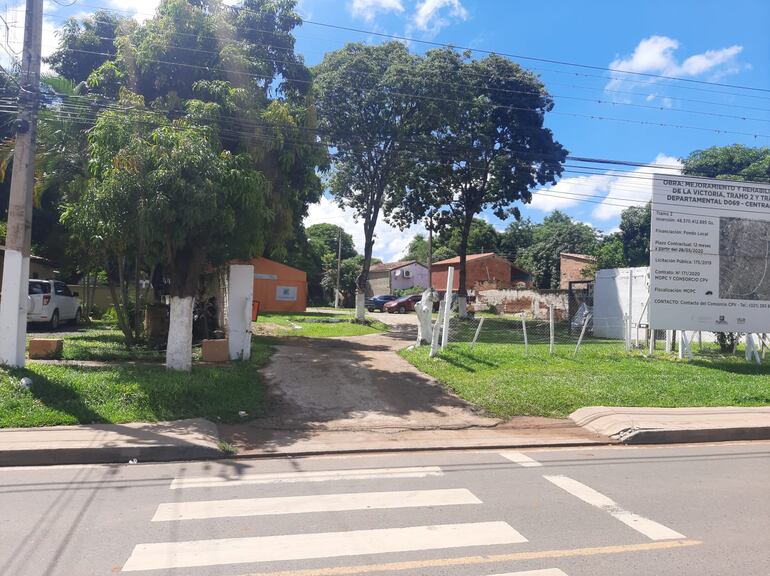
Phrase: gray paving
x=87 y=520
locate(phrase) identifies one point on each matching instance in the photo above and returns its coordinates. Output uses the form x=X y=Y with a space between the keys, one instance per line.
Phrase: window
x=60 y=289
x=39 y=288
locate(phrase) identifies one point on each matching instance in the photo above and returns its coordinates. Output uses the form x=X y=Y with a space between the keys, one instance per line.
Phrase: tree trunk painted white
x=462 y=306
x=450 y=274
x=360 y=310
x=424 y=311
x=179 y=346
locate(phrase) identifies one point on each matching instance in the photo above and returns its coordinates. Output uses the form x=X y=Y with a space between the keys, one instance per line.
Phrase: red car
x=403 y=304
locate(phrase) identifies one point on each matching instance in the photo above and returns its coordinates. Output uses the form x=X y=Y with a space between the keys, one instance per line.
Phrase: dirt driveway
x=360 y=383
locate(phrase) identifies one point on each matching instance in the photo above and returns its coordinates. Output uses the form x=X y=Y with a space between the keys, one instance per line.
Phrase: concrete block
x=45 y=348
x=216 y=350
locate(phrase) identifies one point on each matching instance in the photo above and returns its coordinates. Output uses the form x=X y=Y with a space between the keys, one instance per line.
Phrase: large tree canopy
x=489 y=146
x=736 y=162
x=366 y=120
x=209 y=149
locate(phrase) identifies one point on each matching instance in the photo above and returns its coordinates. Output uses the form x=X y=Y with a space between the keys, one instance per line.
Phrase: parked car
x=403 y=304
x=378 y=302
x=51 y=301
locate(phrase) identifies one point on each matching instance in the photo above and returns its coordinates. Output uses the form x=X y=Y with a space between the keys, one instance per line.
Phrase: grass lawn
x=315 y=324
x=506 y=382
x=132 y=393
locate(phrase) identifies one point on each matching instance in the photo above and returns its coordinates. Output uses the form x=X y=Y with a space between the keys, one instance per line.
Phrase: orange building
x=279 y=288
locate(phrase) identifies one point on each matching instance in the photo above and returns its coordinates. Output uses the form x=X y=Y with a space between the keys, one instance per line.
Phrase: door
x=65 y=301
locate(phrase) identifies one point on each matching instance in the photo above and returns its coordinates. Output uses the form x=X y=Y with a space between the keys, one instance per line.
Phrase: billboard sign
x=709 y=255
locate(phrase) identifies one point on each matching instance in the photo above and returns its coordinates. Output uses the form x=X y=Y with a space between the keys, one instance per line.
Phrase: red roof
x=388 y=266
x=468 y=258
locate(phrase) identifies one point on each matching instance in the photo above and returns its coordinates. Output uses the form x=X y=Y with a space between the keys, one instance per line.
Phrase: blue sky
x=713 y=41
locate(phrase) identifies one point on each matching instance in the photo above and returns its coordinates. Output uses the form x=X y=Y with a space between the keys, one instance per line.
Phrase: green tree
x=609 y=253
x=518 y=236
x=225 y=160
x=490 y=145
x=324 y=238
x=482 y=237
x=736 y=162
x=556 y=234
x=417 y=249
x=635 y=235
x=366 y=120
x=86 y=44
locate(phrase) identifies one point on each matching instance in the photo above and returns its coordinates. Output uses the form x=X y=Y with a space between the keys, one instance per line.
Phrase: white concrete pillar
x=240 y=296
x=179 y=345
x=13 y=309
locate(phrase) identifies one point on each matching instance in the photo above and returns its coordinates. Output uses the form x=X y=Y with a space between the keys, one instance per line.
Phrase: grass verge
x=316 y=325
x=65 y=394
x=506 y=382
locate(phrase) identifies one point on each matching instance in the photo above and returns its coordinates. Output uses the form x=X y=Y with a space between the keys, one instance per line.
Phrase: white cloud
x=614 y=190
x=389 y=242
x=634 y=188
x=657 y=55
x=16 y=18
x=368 y=9
x=430 y=15
x=569 y=192
x=141 y=10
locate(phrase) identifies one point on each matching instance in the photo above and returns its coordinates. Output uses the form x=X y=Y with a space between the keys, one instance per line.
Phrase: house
x=38 y=267
x=481 y=269
x=573 y=267
x=390 y=276
x=278 y=287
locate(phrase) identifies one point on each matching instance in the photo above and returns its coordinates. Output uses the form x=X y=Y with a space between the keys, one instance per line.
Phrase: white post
x=752 y=351
x=630 y=304
x=669 y=340
x=586 y=319
x=700 y=341
x=652 y=340
x=448 y=307
x=241 y=284
x=179 y=343
x=13 y=303
x=550 y=325
x=524 y=329
x=627 y=332
x=478 y=331
x=685 y=345
x=437 y=329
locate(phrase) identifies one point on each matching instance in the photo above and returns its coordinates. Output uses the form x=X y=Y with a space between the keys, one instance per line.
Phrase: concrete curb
x=675 y=425
x=694 y=436
x=194 y=439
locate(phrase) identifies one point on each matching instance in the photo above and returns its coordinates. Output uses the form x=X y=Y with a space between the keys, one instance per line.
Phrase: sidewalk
x=193 y=439
x=675 y=425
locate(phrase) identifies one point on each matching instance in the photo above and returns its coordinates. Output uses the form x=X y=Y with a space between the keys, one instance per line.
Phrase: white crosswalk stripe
x=306 y=476
x=313 y=503
x=520 y=459
x=168 y=555
x=653 y=530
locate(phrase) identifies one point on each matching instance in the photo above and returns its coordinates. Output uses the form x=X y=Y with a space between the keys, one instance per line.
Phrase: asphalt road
x=663 y=511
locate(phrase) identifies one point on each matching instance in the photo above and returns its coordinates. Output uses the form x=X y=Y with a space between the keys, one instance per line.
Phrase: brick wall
x=571 y=268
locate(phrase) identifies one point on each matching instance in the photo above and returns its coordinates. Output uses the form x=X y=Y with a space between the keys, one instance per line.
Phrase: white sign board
x=709 y=255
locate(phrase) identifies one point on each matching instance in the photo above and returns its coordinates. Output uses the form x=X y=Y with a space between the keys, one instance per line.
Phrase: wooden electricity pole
x=13 y=303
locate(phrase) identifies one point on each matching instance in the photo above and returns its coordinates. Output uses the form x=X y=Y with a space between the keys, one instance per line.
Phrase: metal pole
x=339 y=260
x=524 y=329
x=13 y=302
x=478 y=331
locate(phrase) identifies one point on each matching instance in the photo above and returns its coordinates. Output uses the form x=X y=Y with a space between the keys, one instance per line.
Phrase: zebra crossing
x=374 y=540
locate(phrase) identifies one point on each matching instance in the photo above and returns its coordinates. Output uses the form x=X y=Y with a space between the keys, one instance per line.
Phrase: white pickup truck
x=51 y=301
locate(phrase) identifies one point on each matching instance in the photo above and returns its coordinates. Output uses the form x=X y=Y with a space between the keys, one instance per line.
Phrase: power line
x=482 y=51
x=456 y=101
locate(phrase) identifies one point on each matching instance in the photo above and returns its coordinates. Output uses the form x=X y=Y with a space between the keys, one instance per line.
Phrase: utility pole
x=13 y=303
x=339 y=261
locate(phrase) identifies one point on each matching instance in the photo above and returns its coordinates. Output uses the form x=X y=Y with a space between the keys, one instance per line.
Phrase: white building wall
x=611 y=300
